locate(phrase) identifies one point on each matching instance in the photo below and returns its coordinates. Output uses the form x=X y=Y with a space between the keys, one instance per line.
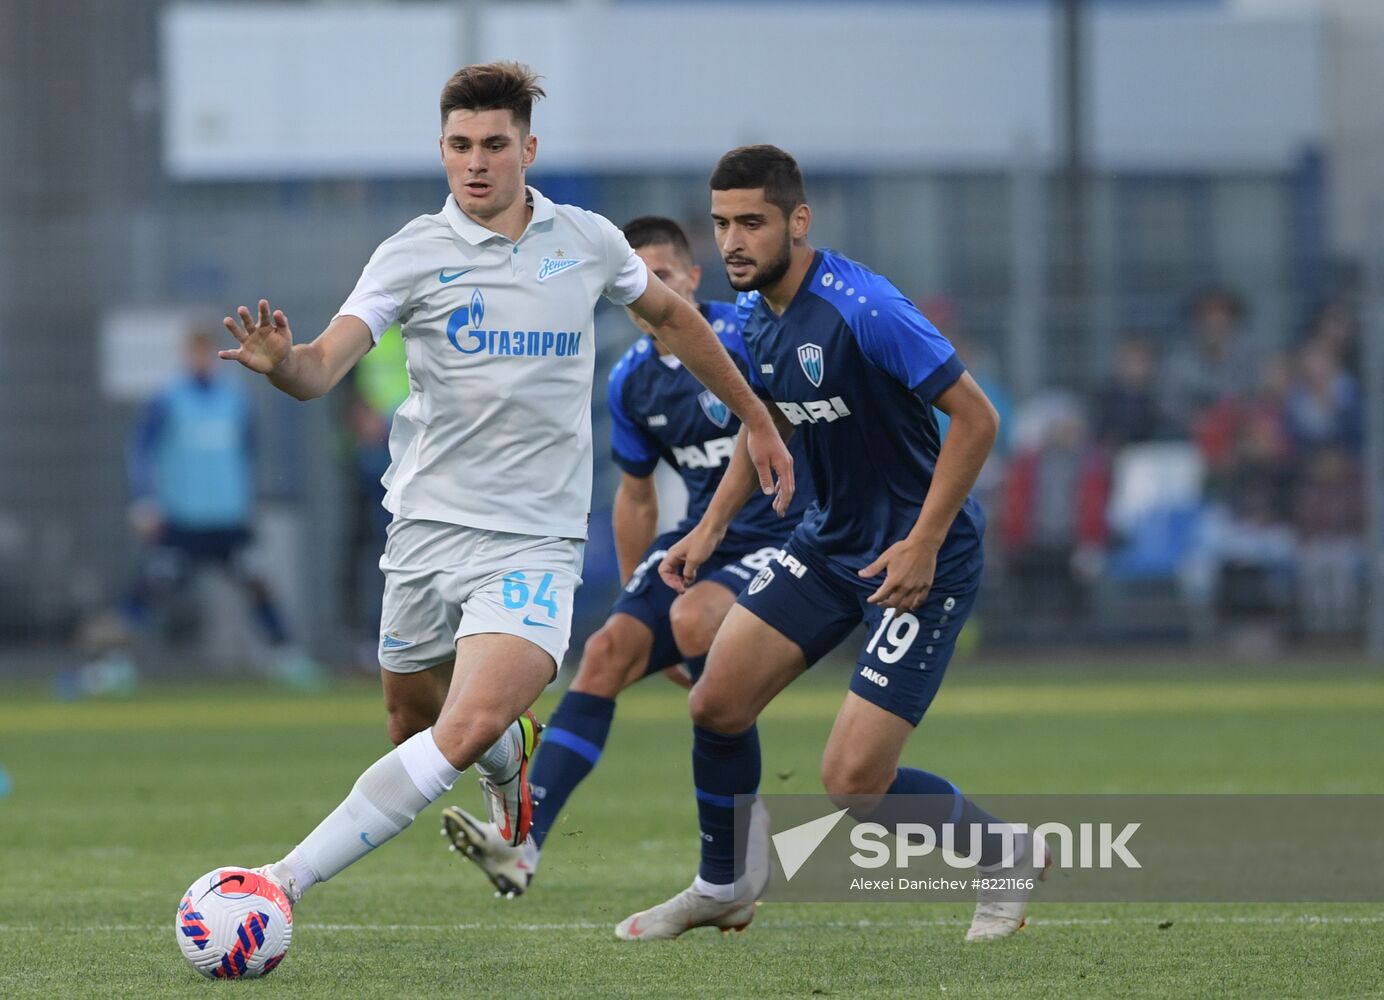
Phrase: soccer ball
x=234 y=924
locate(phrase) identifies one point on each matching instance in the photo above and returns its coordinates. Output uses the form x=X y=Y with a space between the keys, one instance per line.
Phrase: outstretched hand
x=265 y=340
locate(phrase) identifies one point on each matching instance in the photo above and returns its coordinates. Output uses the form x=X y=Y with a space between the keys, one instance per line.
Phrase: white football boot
x=510 y=800
x=509 y=868
x=1001 y=911
x=690 y=908
x=282 y=876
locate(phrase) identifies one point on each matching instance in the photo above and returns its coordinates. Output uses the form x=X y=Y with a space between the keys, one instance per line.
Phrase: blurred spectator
x=942 y=313
x=191 y=470
x=380 y=385
x=1244 y=563
x=1247 y=448
x=1329 y=513
x=1052 y=524
x=1218 y=362
x=1335 y=326
x=1129 y=408
x=1323 y=407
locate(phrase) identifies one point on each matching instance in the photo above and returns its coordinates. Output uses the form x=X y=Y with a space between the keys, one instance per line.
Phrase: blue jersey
x=192 y=454
x=660 y=411
x=854 y=366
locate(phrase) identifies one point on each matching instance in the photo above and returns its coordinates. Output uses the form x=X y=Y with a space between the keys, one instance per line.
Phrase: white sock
x=721 y=892
x=382 y=804
x=498 y=763
x=301 y=871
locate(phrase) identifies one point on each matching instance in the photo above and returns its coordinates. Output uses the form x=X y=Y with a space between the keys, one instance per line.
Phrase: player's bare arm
x=678 y=324
x=679 y=567
x=909 y=564
x=634 y=518
x=304 y=371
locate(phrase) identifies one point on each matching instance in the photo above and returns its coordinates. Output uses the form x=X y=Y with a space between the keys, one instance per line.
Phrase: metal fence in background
x=1135 y=499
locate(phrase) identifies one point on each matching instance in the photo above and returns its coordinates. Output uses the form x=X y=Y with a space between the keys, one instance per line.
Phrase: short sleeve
x=626 y=275
x=383 y=289
x=898 y=338
x=630 y=445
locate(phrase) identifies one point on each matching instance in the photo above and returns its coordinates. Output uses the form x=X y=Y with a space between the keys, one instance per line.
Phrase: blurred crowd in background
x=1159 y=257
x=1206 y=488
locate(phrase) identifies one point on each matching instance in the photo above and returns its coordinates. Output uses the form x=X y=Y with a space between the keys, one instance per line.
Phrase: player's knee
x=694 y=623
x=404 y=722
x=604 y=669
x=720 y=714
x=462 y=740
x=854 y=782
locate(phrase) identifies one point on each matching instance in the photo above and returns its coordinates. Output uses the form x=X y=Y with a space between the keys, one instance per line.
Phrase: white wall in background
x=256 y=90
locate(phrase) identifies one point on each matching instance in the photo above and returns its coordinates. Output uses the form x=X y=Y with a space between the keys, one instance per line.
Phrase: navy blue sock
x=944 y=804
x=270 y=621
x=572 y=743
x=695 y=666
x=722 y=768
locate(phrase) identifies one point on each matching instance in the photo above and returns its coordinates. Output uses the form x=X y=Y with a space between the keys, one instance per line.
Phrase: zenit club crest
x=810 y=357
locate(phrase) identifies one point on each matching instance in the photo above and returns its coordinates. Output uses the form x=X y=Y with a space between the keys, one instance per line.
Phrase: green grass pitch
x=117 y=806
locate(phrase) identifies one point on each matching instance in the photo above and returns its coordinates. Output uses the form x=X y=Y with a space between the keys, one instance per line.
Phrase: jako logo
x=550 y=266
x=874 y=677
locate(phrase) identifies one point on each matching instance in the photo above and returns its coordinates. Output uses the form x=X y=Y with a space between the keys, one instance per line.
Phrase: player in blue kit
x=659 y=411
x=893 y=540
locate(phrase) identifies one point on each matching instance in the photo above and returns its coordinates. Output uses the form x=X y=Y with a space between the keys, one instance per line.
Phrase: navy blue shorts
x=217 y=545
x=649 y=599
x=815 y=602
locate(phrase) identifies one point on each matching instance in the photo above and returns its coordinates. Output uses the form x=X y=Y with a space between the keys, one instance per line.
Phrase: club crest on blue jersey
x=716 y=411
x=810 y=357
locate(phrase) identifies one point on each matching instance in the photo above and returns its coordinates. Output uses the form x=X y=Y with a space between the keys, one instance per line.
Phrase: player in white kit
x=490 y=475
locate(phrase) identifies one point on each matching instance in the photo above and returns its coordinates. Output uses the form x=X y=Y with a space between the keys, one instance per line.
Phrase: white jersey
x=496 y=430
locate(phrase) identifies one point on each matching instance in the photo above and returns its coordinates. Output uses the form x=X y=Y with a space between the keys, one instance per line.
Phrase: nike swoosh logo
x=444 y=277
x=366 y=841
x=530 y=621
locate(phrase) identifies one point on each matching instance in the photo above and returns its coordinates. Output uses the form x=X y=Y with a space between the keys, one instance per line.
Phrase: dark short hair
x=502 y=86
x=766 y=167
x=657 y=231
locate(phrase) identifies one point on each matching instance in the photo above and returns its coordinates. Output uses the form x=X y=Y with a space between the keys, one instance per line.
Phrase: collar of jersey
x=476 y=234
x=804 y=290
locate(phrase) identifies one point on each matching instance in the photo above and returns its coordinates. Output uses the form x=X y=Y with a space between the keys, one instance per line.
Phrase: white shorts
x=444 y=581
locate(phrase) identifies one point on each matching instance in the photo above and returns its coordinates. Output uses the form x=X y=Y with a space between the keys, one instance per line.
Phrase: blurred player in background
x=191 y=467
x=658 y=411
x=893 y=540
x=490 y=480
